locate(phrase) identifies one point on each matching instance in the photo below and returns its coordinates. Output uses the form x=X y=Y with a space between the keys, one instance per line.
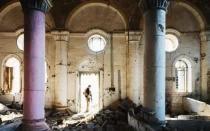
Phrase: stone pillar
x=34 y=68
x=61 y=41
x=154 y=56
x=133 y=75
x=205 y=66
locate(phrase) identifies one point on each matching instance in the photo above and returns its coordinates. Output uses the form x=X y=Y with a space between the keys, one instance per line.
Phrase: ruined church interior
x=147 y=61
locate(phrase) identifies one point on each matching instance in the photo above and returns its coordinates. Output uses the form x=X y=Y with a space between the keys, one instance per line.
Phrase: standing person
x=88 y=96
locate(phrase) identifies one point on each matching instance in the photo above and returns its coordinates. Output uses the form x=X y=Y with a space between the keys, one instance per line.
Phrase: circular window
x=20 y=42
x=96 y=43
x=171 y=43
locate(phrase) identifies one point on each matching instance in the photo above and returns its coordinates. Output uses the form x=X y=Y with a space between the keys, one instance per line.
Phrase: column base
x=60 y=108
x=41 y=127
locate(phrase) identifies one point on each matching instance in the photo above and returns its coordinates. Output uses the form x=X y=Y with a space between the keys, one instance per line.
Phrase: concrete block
x=138 y=125
x=207 y=110
x=192 y=105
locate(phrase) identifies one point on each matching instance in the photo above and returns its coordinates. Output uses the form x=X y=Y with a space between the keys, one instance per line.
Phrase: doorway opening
x=87 y=78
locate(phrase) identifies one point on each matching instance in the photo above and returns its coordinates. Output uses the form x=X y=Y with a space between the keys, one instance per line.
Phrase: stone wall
x=9 y=49
x=79 y=52
x=189 y=49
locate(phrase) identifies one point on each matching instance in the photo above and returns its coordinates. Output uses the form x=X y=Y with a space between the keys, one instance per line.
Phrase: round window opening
x=96 y=43
x=171 y=43
x=20 y=42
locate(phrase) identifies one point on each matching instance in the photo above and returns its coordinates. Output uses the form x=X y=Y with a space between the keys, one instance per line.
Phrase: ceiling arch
x=12 y=17
x=95 y=15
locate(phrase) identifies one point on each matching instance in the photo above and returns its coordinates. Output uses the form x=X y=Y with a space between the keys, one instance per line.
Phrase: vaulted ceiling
x=129 y=8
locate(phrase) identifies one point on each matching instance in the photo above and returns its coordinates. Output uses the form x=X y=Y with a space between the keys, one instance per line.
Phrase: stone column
x=133 y=75
x=61 y=40
x=205 y=65
x=34 y=68
x=154 y=56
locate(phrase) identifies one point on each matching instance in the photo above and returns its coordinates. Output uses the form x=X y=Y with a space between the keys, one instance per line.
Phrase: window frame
x=17 y=41
x=186 y=75
x=191 y=73
x=103 y=38
x=174 y=39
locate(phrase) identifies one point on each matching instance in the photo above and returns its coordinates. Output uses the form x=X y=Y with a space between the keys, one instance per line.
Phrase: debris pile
x=147 y=115
x=110 y=119
x=113 y=118
x=9 y=116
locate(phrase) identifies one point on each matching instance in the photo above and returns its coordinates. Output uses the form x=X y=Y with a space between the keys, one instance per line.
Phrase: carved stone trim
x=146 y=5
x=91 y=64
x=41 y=5
x=205 y=36
x=60 y=35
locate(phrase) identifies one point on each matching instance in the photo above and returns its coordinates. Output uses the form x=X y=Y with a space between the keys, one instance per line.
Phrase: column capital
x=146 y=5
x=41 y=5
x=133 y=36
x=205 y=35
x=60 y=35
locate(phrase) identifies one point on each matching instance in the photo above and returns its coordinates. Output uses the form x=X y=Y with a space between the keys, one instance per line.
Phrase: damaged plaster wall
x=50 y=85
x=184 y=21
x=11 y=26
x=112 y=58
x=8 y=48
x=135 y=66
x=78 y=51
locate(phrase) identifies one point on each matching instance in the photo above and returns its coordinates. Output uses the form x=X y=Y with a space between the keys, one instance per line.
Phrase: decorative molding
x=205 y=36
x=12 y=34
x=96 y=31
x=90 y=64
x=146 y=5
x=60 y=35
x=87 y=35
x=173 y=31
x=133 y=36
x=41 y=5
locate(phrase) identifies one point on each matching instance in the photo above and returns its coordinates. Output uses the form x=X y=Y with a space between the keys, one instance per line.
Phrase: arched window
x=11 y=76
x=181 y=74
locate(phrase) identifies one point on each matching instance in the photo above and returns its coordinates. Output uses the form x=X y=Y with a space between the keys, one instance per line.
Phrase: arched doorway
x=89 y=74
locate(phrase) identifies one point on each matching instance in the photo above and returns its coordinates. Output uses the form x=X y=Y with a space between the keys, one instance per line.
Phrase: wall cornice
x=133 y=36
x=60 y=35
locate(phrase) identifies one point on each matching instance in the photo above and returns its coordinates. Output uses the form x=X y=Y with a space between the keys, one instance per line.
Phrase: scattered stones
x=3 y=108
x=111 y=119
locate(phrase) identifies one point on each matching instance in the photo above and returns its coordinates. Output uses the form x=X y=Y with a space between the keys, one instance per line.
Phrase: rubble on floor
x=110 y=119
x=113 y=118
x=10 y=119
